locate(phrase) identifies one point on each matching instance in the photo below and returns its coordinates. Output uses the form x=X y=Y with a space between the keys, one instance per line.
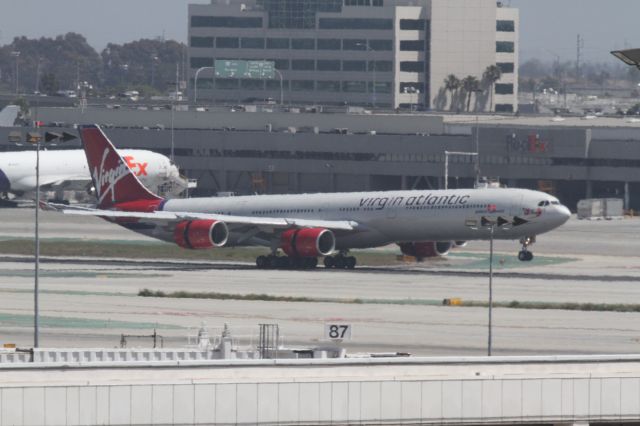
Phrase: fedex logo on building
x=139 y=169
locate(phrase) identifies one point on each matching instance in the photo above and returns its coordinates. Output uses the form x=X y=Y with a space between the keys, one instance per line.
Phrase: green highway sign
x=245 y=69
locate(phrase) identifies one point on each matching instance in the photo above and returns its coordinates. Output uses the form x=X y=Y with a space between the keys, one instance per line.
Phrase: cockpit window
x=543 y=203
x=555 y=203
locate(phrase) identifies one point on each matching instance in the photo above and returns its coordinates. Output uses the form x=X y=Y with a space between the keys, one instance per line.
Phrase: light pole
x=195 y=82
x=374 y=91
x=16 y=54
x=154 y=59
x=490 y=224
x=447 y=154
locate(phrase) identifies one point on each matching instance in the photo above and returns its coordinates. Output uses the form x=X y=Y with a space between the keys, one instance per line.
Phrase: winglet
x=116 y=185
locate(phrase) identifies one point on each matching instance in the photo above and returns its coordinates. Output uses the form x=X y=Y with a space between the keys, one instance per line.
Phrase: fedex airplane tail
x=116 y=185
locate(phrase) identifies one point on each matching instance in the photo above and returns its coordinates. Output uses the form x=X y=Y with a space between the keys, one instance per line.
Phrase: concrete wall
x=545 y=390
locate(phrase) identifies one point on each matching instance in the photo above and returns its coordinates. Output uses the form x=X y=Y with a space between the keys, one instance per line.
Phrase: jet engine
x=457 y=244
x=424 y=249
x=201 y=234
x=308 y=242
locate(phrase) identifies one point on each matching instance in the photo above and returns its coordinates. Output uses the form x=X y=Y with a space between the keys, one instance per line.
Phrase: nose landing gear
x=525 y=255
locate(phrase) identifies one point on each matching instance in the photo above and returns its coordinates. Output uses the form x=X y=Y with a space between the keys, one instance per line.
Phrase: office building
x=387 y=53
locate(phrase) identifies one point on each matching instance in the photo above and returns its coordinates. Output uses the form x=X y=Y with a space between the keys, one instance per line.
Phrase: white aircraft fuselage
x=397 y=216
x=68 y=170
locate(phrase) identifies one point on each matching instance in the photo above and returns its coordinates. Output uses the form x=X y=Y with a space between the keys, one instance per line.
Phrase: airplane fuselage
x=68 y=170
x=398 y=216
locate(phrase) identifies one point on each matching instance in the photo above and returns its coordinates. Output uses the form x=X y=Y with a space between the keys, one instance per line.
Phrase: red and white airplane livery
x=307 y=226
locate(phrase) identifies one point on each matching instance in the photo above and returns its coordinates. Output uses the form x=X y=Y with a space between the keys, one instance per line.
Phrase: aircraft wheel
x=312 y=262
x=262 y=262
x=273 y=262
x=339 y=262
x=350 y=262
x=283 y=262
x=529 y=256
x=329 y=262
x=525 y=256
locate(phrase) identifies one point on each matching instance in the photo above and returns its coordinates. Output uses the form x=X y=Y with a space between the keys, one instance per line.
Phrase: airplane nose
x=563 y=214
x=5 y=185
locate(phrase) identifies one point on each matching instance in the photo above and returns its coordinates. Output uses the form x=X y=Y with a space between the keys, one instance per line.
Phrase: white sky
x=548 y=27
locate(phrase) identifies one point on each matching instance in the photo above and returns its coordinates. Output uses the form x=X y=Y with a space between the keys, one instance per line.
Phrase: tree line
x=460 y=91
x=48 y=65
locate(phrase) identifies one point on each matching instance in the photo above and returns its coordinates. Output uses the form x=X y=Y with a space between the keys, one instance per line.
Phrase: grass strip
x=565 y=306
x=271 y=298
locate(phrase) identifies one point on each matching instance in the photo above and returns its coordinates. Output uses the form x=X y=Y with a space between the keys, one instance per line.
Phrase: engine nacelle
x=457 y=244
x=424 y=249
x=201 y=234
x=308 y=242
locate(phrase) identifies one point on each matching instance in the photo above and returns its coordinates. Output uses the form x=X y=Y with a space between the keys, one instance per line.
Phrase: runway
x=91 y=302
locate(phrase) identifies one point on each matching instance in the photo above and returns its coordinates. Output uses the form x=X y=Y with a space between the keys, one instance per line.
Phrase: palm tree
x=451 y=84
x=491 y=74
x=470 y=84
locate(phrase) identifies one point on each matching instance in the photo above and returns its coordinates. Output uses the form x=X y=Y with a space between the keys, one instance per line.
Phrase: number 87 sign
x=337 y=331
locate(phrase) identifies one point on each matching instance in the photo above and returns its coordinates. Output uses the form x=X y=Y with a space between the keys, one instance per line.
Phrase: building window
x=227 y=83
x=302 y=85
x=506 y=67
x=377 y=3
x=380 y=45
x=227 y=43
x=303 y=65
x=281 y=64
x=505 y=46
x=412 y=66
x=275 y=84
x=413 y=24
x=411 y=87
x=328 y=65
x=412 y=45
x=328 y=86
x=198 y=62
x=354 y=65
x=504 y=89
x=329 y=44
x=381 y=66
x=252 y=43
x=225 y=22
x=355 y=24
x=381 y=87
x=252 y=84
x=303 y=43
x=506 y=26
x=354 y=44
x=277 y=43
x=354 y=86
x=201 y=41
x=504 y=108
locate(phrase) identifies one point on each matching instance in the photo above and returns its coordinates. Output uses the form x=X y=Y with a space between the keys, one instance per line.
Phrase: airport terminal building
x=271 y=152
x=382 y=53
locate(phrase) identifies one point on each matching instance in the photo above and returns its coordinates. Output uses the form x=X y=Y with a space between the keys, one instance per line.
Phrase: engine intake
x=201 y=234
x=424 y=249
x=308 y=242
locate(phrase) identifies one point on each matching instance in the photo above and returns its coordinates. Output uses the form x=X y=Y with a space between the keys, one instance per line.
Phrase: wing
x=163 y=217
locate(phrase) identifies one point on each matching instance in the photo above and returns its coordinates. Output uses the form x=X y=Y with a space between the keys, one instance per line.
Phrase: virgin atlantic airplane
x=307 y=226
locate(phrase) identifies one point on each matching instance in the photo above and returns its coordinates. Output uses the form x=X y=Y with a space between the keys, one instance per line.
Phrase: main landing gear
x=340 y=261
x=285 y=262
x=525 y=255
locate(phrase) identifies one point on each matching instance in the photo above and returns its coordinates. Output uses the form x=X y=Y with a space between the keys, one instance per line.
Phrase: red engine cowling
x=424 y=249
x=308 y=242
x=201 y=234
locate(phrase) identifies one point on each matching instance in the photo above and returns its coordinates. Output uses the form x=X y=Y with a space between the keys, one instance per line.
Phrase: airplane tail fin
x=115 y=184
x=8 y=115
